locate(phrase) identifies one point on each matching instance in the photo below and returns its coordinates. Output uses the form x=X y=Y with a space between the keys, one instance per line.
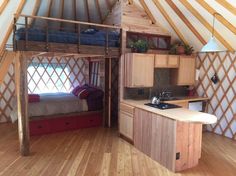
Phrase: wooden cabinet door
x=173 y=61
x=139 y=70
x=186 y=74
x=161 y=61
x=126 y=124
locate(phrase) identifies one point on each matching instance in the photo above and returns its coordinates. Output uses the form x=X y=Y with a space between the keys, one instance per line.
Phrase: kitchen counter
x=187 y=99
x=179 y=114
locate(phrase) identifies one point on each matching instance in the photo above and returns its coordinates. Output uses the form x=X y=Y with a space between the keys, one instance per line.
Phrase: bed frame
x=64 y=122
x=26 y=45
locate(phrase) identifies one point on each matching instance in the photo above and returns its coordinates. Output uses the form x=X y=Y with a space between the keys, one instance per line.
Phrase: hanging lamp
x=212 y=45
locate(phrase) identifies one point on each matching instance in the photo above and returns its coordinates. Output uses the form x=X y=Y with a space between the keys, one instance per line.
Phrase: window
x=48 y=78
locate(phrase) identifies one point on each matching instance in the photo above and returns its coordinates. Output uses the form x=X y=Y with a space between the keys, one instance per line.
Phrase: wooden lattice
x=223 y=94
x=57 y=74
x=7 y=92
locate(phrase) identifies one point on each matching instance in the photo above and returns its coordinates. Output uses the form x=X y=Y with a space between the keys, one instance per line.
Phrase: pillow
x=81 y=91
x=33 y=98
x=90 y=31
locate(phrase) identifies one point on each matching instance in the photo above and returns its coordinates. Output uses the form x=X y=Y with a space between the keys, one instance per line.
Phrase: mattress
x=53 y=103
x=95 y=39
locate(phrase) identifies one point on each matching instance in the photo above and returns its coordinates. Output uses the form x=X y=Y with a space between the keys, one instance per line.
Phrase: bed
x=88 y=37
x=57 y=112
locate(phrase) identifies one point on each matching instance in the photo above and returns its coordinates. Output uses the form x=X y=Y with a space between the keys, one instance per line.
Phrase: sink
x=163 y=106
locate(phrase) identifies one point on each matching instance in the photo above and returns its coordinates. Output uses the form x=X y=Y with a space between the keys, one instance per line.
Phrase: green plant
x=140 y=46
x=188 y=49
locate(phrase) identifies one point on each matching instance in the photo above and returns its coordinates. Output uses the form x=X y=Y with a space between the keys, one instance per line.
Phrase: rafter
x=3 y=6
x=48 y=13
x=206 y=24
x=10 y=28
x=130 y=1
x=61 y=12
x=208 y=8
x=145 y=7
x=185 y=20
x=35 y=10
x=99 y=10
x=109 y=4
x=169 y=20
x=87 y=8
x=227 y=5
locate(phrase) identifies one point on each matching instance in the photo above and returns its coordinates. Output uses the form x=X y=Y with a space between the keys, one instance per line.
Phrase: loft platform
x=85 y=38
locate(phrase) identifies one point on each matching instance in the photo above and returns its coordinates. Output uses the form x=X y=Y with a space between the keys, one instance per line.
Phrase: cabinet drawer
x=126 y=125
x=127 y=108
x=173 y=61
x=39 y=127
x=161 y=61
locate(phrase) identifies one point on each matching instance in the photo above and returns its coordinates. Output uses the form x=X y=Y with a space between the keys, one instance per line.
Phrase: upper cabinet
x=185 y=74
x=139 y=70
x=166 y=61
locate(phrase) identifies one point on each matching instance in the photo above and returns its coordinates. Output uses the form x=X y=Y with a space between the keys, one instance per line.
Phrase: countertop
x=180 y=114
x=187 y=99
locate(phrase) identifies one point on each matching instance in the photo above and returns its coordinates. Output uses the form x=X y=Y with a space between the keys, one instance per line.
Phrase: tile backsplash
x=161 y=83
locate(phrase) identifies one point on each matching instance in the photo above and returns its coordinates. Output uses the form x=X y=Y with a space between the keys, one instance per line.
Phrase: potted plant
x=139 y=46
x=188 y=49
x=181 y=48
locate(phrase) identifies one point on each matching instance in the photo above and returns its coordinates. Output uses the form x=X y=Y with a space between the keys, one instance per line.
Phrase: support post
x=22 y=103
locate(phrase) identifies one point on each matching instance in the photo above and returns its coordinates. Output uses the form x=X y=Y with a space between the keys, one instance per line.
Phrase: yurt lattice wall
x=222 y=94
x=57 y=74
x=7 y=92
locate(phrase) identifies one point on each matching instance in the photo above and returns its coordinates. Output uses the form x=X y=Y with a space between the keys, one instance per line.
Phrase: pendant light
x=212 y=45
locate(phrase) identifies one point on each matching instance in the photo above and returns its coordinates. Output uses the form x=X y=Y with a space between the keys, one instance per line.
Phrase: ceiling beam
x=99 y=10
x=35 y=11
x=225 y=22
x=145 y=7
x=61 y=12
x=206 y=24
x=130 y=1
x=48 y=13
x=87 y=8
x=109 y=5
x=10 y=28
x=185 y=20
x=3 y=6
x=169 y=20
x=227 y=5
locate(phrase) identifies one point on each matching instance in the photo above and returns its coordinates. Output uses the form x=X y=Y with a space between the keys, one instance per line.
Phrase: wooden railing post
x=78 y=45
x=47 y=39
x=107 y=41
x=26 y=33
x=14 y=35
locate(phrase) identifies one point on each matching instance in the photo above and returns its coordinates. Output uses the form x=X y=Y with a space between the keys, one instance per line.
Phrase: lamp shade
x=211 y=46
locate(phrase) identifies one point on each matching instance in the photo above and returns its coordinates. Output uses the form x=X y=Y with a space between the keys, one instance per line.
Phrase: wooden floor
x=99 y=151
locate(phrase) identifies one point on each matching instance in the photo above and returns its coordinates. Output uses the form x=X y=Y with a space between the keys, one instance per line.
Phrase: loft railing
x=27 y=22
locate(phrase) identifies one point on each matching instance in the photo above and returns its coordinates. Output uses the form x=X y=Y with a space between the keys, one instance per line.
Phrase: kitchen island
x=172 y=137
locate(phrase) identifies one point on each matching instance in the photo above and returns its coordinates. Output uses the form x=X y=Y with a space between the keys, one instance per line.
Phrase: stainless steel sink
x=163 y=106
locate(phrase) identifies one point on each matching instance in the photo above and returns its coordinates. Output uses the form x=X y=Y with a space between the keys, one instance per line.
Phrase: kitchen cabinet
x=166 y=61
x=185 y=74
x=174 y=144
x=126 y=116
x=139 y=70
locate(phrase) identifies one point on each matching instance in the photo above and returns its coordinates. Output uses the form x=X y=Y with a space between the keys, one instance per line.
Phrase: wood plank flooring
x=99 y=151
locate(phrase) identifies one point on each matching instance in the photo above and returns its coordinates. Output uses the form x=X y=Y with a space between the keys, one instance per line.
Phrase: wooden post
x=22 y=103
